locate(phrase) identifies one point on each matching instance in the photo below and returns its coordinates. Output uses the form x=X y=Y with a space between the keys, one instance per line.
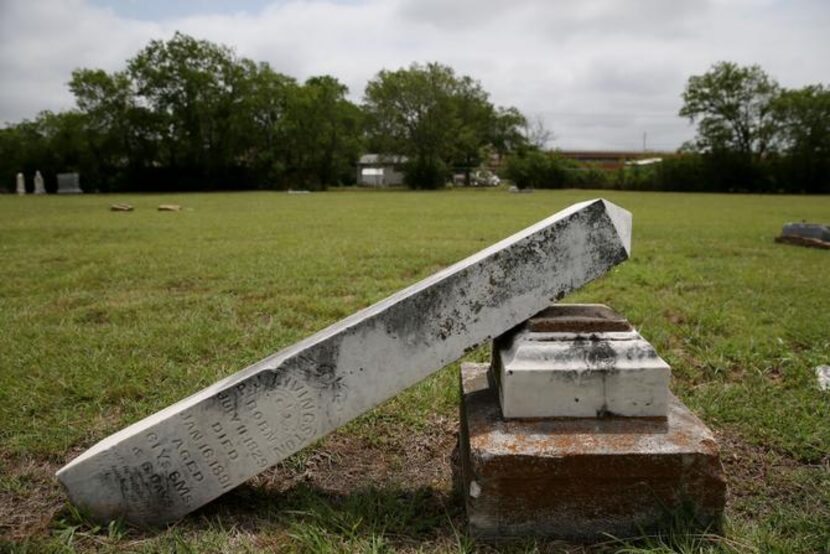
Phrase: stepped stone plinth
x=571 y=433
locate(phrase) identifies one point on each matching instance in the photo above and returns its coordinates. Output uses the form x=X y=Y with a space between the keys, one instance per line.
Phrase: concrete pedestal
x=580 y=479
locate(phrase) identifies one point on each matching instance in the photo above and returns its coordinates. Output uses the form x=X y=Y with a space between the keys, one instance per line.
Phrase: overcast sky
x=599 y=72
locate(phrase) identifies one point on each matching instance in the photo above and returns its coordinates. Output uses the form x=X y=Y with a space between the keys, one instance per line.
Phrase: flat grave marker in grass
x=167 y=465
x=805 y=234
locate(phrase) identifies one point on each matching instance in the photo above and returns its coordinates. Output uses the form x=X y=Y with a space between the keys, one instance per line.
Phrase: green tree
x=475 y=123
x=732 y=106
x=803 y=117
x=261 y=121
x=507 y=135
x=438 y=120
x=118 y=134
x=192 y=88
x=323 y=132
x=411 y=112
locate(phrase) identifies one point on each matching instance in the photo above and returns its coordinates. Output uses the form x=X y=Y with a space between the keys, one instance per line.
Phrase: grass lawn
x=108 y=317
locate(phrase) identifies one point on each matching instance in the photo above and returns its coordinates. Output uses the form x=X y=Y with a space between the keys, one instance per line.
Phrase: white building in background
x=380 y=170
x=644 y=161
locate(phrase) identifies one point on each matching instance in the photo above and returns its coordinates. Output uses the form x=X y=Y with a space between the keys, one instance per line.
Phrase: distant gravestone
x=171 y=463
x=21 y=184
x=807 y=231
x=39 y=186
x=805 y=234
x=69 y=183
x=823 y=376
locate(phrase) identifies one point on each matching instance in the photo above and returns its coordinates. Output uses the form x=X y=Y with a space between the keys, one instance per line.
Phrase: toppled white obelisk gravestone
x=167 y=465
x=39 y=186
x=21 y=184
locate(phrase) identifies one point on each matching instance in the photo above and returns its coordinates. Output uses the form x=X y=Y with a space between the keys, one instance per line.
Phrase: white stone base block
x=579 y=374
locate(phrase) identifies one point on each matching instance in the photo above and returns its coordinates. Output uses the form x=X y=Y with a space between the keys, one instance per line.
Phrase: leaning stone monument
x=69 y=183
x=167 y=465
x=39 y=187
x=21 y=184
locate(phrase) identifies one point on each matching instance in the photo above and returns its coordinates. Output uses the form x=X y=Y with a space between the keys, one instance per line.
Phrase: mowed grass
x=108 y=317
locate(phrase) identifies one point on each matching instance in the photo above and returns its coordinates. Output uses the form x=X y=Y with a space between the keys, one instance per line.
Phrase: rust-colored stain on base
x=579 y=479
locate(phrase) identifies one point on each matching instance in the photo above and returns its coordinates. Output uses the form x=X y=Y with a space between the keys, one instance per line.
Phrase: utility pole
x=644 y=140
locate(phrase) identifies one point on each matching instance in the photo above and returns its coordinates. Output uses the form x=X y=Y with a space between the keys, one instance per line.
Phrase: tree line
x=752 y=136
x=188 y=114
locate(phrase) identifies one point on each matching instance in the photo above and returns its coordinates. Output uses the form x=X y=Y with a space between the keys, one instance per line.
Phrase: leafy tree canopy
x=733 y=108
x=439 y=120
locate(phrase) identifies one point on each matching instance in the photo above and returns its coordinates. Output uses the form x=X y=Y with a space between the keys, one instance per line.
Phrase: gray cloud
x=600 y=72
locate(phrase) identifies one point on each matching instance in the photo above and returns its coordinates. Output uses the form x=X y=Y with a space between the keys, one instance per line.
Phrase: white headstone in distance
x=171 y=463
x=21 y=184
x=39 y=187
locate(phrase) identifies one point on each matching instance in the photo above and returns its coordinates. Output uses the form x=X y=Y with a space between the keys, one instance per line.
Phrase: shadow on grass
x=303 y=518
x=396 y=510
x=307 y=518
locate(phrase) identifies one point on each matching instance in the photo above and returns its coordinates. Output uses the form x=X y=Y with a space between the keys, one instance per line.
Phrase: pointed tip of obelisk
x=621 y=219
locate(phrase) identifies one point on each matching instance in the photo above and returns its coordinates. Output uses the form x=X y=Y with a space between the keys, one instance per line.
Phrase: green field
x=108 y=317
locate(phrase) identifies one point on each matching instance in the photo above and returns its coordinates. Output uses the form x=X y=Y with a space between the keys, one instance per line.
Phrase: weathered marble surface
x=169 y=464
x=579 y=361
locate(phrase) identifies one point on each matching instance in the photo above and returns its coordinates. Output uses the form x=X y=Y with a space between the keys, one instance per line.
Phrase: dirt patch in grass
x=400 y=466
x=760 y=479
x=29 y=497
x=398 y=481
x=343 y=463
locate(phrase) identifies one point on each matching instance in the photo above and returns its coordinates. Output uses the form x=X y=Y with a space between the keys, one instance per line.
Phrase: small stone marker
x=121 y=208
x=575 y=435
x=21 y=184
x=170 y=208
x=69 y=183
x=805 y=234
x=823 y=376
x=167 y=465
x=39 y=187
